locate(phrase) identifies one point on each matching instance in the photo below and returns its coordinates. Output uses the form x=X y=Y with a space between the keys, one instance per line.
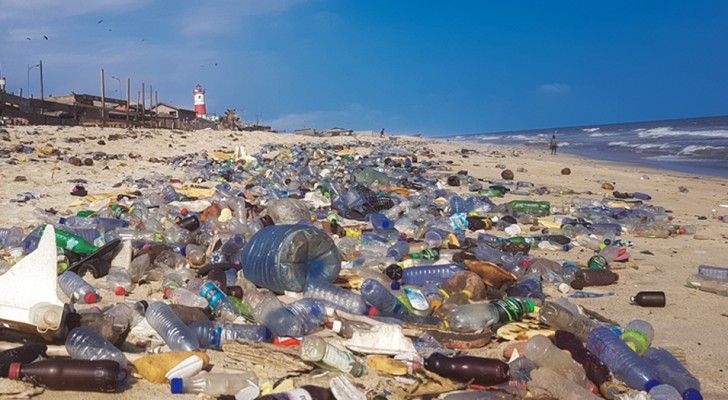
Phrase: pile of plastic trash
x=387 y=272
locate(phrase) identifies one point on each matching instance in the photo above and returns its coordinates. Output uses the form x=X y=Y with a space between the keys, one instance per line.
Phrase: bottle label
x=416 y=299
x=338 y=359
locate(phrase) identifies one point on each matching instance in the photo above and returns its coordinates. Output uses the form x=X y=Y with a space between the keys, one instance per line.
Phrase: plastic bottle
x=169 y=194
x=310 y=312
x=649 y=299
x=173 y=331
x=46 y=316
x=87 y=344
x=540 y=350
x=527 y=289
x=638 y=335
x=705 y=284
x=558 y=386
x=185 y=297
x=71 y=374
x=671 y=371
x=593 y=277
x=379 y=221
x=283 y=257
x=595 y=370
x=306 y=392
x=398 y=250
x=380 y=297
x=214 y=384
x=482 y=371
x=559 y=317
x=269 y=311
x=343 y=299
x=317 y=350
x=528 y=207
x=664 y=392
x=478 y=316
x=76 y=288
x=119 y=281
x=624 y=363
x=219 y=302
x=717 y=273
x=346 y=328
x=419 y=276
x=211 y=334
x=72 y=242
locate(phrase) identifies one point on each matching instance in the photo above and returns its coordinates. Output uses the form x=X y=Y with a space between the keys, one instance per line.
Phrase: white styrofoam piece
x=187 y=368
x=34 y=279
x=381 y=339
x=123 y=257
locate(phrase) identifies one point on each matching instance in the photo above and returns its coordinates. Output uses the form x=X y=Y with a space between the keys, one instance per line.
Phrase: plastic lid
x=176 y=386
x=395 y=285
x=371 y=311
x=336 y=326
x=14 y=371
x=651 y=383
x=120 y=291
x=692 y=394
x=90 y=298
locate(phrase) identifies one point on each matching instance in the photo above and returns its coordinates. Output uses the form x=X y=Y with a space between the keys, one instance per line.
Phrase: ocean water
x=692 y=145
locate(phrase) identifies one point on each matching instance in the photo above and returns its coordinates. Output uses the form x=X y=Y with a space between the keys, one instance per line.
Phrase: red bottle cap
x=616 y=277
x=166 y=292
x=90 y=298
x=183 y=211
x=372 y=311
x=120 y=291
x=14 y=371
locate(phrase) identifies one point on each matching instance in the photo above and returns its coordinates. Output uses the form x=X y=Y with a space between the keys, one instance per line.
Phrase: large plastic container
x=177 y=335
x=624 y=363
x=212 y=334
x=87 y=344
x=672 y=372
x=76 y=288
x=285 y=257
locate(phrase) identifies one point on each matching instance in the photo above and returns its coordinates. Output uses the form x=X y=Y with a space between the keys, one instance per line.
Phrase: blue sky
x=410 y=66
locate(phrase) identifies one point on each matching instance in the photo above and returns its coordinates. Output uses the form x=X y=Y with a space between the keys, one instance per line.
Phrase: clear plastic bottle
x=540 y=350
x=185 y=297
x=711 y=272
x=557 y=316
x=380 y=297
x=664 y=392
x=284 y=257
x=379 y=221
x=638 y=335
x=708 y=285
x=173 y=331
x=212 y=334
x=270 y=312
x=214 y=384
x=671 y=371
x=624 y=363
x=478 y=316
x=346 y=328
x=398 y=250
x=558 y=386
x=219 y=302
x=169 y=194
x=119 y=281
x=342 y=299
x=310 y=312
x=419 y=276
x=77 y=289
x=317 y=350
x=87 y=344
x=234 y=244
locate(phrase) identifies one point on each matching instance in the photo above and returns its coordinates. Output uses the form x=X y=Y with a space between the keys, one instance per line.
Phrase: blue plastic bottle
x=211 y=334
x=672 y=372
x=398 y=250
x=422 y=275
x=219 y=302
x=379 y=221
x=342 y=299
x=624 y=363
x=311 y=313
x=380 y=297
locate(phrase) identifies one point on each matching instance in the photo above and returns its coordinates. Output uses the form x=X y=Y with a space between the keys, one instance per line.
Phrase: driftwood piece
x=265 y=359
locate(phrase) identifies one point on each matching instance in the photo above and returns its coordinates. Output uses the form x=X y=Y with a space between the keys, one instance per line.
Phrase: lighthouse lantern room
x=200 y=110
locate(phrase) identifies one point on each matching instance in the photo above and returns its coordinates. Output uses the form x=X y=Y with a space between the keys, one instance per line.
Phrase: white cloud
x=554 y=88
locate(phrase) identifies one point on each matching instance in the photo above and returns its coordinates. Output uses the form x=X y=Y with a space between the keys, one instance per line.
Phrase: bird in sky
x=27 y=38
x=100 y=21
x=45 y=37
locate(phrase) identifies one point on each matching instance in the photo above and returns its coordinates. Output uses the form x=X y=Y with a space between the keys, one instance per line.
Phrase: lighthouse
x=200 y=110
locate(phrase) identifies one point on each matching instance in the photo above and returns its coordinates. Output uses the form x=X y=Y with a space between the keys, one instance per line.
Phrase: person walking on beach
x=553 y=145
x=381 y=133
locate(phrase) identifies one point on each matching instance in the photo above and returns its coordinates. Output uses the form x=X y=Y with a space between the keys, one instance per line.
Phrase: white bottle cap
x=336 y=326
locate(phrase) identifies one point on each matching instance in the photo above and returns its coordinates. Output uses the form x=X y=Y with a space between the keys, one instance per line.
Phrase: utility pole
x=42 y=97
x=144 y=107
x=128 y=98
x=103 y=98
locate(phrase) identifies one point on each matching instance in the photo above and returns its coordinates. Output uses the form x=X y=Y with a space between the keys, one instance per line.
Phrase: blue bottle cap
x=692 y=394
x=176 y=386
x=395 y=285
x=651 y=383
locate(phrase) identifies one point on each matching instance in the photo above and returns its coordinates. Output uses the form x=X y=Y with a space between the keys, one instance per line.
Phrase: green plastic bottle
x=72 y=242
x=530 y=207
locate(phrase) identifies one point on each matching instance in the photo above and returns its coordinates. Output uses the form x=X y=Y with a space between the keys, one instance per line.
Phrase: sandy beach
x=693 y=323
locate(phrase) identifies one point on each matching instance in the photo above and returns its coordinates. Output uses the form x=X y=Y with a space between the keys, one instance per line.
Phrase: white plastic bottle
x=215 y=384
x=317 y=350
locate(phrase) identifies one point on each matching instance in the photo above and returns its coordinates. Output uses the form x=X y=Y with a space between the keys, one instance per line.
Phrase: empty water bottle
x=76 y=288
x=317 y=350
x=284 y=257
x=478 y=316
x=342 y=299
x=624 y=363
x=379 y=221
x=119 y=281
x=128 y=315
x=173 y=331
x=561 y=318
x=558 y=386
x=380 y=297
x=87 y=344
x=310 y=312
x=169 y=194
x=215 y=384
x=212 y=334
x=664 y=392
x=185 y=297
x=419 y=276
x=638 y=335
x=398 y=250
x=717 y=273
x=267 y=310
x=672 y=372
x=540 y=350
x=221 y=305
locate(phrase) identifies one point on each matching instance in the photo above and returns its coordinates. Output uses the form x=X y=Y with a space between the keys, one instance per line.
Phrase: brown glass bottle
x=649 y=299
x=482 y=371
x=71 y=374
x=593 y=277
x=307 y=392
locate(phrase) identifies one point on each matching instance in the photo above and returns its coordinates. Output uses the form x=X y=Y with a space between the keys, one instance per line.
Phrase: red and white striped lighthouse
x=200 y=109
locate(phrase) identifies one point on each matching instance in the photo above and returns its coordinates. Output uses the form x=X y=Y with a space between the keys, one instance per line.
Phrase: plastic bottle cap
x=692 y=394
x=336 y=326
x=372 y=311
x=616 y=277
x=14 y=371
x=90 y=298
x=166 y=292
x=120 y=291
x=395 y=285
x=176 y=386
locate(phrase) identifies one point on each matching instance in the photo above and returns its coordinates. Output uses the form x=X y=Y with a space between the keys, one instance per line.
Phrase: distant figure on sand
x=553 y=145
x=381 y=133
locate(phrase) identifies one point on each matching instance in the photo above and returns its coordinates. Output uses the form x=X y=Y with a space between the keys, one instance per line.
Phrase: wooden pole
x=103 y=98
x=144 y=107
x=128 y=99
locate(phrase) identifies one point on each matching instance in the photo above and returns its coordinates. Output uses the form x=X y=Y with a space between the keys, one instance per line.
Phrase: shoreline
x=693 y=322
